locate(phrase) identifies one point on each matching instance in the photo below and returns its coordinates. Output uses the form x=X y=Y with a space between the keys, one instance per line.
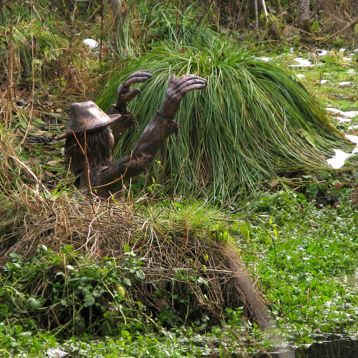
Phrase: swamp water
x=333 y=348
x=329 y=346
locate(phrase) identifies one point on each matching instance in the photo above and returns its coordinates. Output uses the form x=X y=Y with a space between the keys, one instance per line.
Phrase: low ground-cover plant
x=188 y=269
x=303 y=269
x=66 y=293
x=307 y=254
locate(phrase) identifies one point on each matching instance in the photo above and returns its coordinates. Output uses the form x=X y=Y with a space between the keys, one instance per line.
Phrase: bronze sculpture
x=91 y=134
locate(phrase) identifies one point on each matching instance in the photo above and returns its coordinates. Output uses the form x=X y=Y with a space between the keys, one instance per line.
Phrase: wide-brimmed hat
x=87 y=116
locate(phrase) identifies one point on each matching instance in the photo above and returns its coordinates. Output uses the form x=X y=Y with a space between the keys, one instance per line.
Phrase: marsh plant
x=253 y=122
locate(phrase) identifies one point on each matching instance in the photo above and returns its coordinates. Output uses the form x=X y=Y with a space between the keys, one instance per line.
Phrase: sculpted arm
x=154 y=135
x=124 y=95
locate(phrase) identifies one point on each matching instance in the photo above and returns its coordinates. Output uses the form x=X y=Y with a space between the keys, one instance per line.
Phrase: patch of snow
x=323 y=82
x=345 y=84
x=56 y=353
x=334 y=110
x=348 y=114
x=302 y=62
x=321 y=52
x=343 y=119
x=339 y=158
x=92 y=44
x=264 y=59
x=351 y=114
x=352 y=138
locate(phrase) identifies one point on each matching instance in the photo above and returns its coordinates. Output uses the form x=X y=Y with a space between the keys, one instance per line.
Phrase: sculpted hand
x=125 y=92
x=177 y=88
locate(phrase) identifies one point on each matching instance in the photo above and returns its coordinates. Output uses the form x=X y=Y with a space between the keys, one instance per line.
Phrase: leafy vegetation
x=74 y=294
x=297 y=259
x=143 y=274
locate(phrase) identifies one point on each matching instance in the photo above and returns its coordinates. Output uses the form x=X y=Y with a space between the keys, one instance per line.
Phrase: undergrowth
x=66 y=293
x=143 y=274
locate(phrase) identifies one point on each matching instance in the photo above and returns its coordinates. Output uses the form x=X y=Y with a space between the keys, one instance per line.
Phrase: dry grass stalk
x=173 y=261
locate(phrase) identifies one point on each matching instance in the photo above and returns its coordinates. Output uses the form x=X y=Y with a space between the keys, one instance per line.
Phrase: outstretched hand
x=177 y=88
x=125 y=93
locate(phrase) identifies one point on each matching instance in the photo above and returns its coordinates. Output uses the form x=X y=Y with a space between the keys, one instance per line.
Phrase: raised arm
x=154 y=135
x=124 y=95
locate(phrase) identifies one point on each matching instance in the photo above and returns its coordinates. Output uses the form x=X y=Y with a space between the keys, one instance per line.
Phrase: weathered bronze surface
x=89 y=151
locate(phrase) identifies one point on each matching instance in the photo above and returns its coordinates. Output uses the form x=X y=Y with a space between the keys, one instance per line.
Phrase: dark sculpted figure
x=91 y=134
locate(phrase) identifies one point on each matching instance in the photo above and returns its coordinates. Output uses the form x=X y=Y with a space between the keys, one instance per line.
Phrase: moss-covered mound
x=169 y=261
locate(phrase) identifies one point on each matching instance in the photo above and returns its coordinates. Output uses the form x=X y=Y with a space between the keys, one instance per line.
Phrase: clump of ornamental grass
x=254 y=121
x=140 y=24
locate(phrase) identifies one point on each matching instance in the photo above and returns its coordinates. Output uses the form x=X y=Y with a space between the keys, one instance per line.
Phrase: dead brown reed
x=176 y=260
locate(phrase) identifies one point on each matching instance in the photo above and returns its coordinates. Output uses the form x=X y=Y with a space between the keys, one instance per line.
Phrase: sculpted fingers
x=178 y=87
x=125 y=93
x=129 y=95
x=137 y=77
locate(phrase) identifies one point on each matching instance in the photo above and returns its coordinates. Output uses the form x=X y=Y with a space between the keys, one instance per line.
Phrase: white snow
x=333 y=110
x=302 y=62
x=264 y=59
x=343 y=119
x=56 y=353
x=342 y=114
x=352 y=138
x=323 y=82
x=339 y=158
x=345 y=84
x=92 y=44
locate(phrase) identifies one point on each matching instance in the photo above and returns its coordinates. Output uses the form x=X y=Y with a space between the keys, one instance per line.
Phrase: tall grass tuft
x=254 y=121
x=142 y=23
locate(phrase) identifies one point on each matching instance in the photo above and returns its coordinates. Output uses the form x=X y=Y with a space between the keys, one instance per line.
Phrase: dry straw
x=209 y=270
